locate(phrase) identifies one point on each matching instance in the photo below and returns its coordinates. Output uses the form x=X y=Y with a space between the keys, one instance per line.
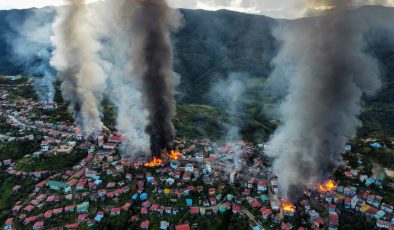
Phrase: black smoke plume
x=152 y=22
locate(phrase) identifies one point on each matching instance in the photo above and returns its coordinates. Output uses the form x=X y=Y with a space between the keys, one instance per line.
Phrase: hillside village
x=196 y=190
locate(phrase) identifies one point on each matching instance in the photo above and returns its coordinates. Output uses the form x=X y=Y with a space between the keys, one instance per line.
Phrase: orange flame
x=287 y=207
x=77 y=130
x=154 y=163
x=327 y=186
x=174 y=155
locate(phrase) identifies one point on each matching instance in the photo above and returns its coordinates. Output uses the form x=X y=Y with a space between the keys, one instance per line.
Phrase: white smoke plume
x=77 y=61
x=31 y=48
x=328 y=70
x=123 y=90
x=228 y=93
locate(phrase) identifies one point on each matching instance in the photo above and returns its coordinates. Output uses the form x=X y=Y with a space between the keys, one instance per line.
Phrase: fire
x=174 y=155
x=154 y=163
x=287 y=207
x=77 y=130
x=328 y=186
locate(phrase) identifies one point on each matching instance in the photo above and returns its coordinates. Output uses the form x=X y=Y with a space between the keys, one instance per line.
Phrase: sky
x=272 y=8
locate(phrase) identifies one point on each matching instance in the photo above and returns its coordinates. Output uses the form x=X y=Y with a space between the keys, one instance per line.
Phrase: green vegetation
x=53 y=163
x=9 y=197
x=17 y=149
x=6 y=81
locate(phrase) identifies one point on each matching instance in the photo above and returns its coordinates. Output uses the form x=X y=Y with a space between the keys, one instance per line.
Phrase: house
x=348 y=202
x=212 y=200
x=262 y=186
x=189 y=202
x=200 y=158
x=56 y=185
x=318 y=223
x=383 y=224
x=116 y=139
x=16 y=188
x=29 y=208
x=115 y=211
x=145 y=224
x=189 y=168
x=255 y=204
x=212 y=191
x=69 y=208
x=182 y=227
x=45 y=146
x=83 y=208
x=99 y=216
x=82 y=217
x=265 y=213
x=110 y=146
x=250 y=183
x=187 y=176
x=48 y=214
x=236 y=209
x=72 y=226
x=8 y=223
x=38 y=225
x=387 y=208
x=29 y=220
x=195 y=210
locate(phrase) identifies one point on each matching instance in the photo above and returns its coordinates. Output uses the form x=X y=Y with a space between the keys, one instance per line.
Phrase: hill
x=211 y=45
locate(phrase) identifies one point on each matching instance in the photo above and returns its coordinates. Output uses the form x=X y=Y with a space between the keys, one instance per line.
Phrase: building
x=56 y=185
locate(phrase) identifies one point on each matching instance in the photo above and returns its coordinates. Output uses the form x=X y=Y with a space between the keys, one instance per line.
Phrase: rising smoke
x=114 y=19
x=328 y=70
x=151 y=23
x=228 y=94
x=77 y=61
x=31 y=48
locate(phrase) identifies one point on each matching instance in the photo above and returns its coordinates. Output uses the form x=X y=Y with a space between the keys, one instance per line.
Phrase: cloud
x=277 y=9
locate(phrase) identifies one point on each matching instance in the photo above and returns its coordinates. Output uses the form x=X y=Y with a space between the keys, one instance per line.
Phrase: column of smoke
x=76 y=58
x=112 y=19
x=228 y=94
x=31 y=48
x=152 y=21
x=328 y=71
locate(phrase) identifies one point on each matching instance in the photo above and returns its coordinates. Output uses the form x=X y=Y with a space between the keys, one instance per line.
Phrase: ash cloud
x=329 y=72
x=77 y=61
x=31 y=48
x=151 y=24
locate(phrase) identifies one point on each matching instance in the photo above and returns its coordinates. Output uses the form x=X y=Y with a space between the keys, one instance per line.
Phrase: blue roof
x=143 y=196
x=98 y=218
x=376 y=146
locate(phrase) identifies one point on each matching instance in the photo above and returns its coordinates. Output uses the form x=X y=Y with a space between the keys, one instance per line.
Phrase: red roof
x=9 y=221
x=116 y=139
x=115 y=210
x=39 y=224
x=72 y=226
x=48 y=214
x=236 y=208
x=182 y=227
x=145 y=224
x=333 y=219
x=195 y=210
x=256 y=204
x=262 y=183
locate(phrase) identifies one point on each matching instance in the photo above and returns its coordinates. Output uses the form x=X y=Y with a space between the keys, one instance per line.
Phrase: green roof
x=83 y=207
x=57 y=184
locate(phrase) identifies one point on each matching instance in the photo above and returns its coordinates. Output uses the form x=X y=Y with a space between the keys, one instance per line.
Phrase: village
x=195 y=187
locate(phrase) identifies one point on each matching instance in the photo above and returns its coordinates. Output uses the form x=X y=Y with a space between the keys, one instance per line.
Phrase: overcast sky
x=273 y=8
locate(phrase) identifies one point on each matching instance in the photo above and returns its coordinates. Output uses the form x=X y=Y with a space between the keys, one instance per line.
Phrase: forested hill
x=211 y=45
